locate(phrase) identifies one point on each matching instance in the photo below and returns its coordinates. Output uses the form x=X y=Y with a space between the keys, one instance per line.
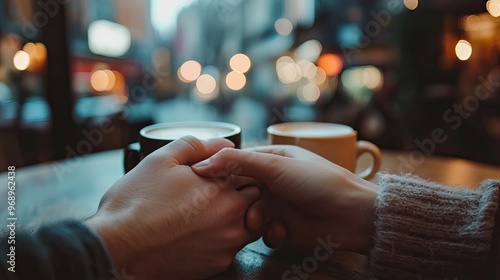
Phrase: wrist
x=368 y=218
x=100 y=227
x=351 y=205
x=362 y=196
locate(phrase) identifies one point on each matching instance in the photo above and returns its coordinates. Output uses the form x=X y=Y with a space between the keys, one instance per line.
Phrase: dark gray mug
x=156 y=136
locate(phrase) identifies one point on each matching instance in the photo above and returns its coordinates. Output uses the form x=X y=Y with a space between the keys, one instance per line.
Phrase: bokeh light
x=372 y=78
x=282 y=61
x=308 y=68
x=471 y=22
x=463 y=49
x=240 y=63
x=364 y=77
x=289 y=72
x=37 y=54
x=493 y=7
x=320 y=77
x=235 y=80
x=411 y=4
x=30 y=48
x=119 y=85
x=206 y=84
x=283 y=26
x=21 y=60
x=309 y=50
x=331 y=63
x=103 y=80
x=41 y=52
x=189 y=71
x=309 y=93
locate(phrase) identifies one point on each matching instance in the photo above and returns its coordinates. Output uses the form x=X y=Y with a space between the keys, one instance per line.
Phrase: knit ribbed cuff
x=75 y=251
x=428 y=231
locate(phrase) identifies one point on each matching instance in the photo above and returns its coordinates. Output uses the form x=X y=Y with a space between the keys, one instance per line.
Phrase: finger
x=189 y=150
x=250 y=195
x=256 y=216
x=275 y=236
x=287 y=151
x=241 y=182
x=234 y=182
x=261 y=166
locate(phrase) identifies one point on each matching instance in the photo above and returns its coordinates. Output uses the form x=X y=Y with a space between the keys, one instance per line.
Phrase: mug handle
x=132 y=156
x=367 y=147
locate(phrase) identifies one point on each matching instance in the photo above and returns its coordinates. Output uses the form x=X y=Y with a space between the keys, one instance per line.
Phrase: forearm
x=66 y=250
x=425 y=230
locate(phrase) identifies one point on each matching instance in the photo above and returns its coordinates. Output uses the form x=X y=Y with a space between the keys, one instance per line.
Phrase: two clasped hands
x=188 y=208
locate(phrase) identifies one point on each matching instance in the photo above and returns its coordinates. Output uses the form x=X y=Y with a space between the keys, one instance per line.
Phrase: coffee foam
x=319 y=130
x=171 y=133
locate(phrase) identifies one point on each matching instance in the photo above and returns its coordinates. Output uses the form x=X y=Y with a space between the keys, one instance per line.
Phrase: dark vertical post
x=3 y=19
x=58 y=87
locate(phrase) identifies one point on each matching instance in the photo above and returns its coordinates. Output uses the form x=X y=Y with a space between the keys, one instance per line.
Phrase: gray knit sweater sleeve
x=428 y=231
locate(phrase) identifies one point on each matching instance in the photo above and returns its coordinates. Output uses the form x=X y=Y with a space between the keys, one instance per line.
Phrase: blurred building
x=394 y=70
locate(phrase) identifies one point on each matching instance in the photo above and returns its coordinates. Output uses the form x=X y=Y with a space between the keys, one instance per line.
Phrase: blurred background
x=401 y=72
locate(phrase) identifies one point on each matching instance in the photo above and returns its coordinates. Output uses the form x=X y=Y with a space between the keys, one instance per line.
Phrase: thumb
x=189 y=150
x=260 y=166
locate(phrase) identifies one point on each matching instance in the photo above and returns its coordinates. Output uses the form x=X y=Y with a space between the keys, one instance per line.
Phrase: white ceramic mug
x=335 y=142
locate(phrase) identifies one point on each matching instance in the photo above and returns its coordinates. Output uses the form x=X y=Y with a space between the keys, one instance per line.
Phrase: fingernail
x=202 y=164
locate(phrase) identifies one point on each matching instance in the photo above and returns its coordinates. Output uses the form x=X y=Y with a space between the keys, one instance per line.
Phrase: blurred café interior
x=395 y=70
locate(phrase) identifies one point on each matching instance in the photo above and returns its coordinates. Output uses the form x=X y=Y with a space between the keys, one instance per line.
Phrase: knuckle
x=234 y=207
x=154 y=158
x=226 y=154
x=274 y=169
x=274 y=164
x=193 y=142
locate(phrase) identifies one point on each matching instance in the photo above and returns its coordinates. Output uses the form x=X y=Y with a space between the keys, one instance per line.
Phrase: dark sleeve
x=61 y=251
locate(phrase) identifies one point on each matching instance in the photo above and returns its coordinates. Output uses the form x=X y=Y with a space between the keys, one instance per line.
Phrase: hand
x=314 y=198
x=162 y=221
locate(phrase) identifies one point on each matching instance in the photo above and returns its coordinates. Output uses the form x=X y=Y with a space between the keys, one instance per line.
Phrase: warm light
x=240 y=63
x=331 y=63
x=119 y=86
x=30 y=48
x=309 y=50
x=37 y=53
x=308 y=68
x=308 y=93
x=283 y=26
x=320 y=76
x=282 y=61
x=411 y=4
x=206 y=84
x=289 y=73
x=463 y=50
x=108 y=38
x=471 y=22
x=372 y=78
x=189 y=71
x=41 y=52
x=102 y=80
x=368 y=77
x=235 y=80
x=493 y=7
x=360 y=83
x=21 y=60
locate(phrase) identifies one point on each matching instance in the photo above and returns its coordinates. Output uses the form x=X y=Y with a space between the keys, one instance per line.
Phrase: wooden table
x=73 y=188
